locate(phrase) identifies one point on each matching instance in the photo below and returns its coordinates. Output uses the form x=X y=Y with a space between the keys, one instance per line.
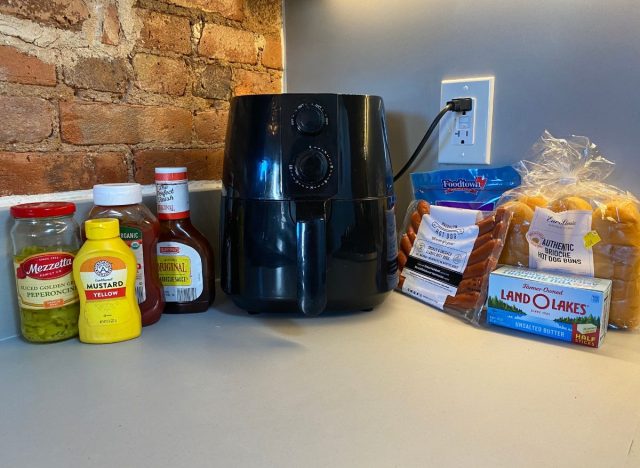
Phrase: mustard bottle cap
x=102 y=228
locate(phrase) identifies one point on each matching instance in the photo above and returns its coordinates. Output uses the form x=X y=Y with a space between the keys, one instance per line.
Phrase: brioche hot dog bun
x=626 y=312
x=534 y=200
x=620 y=210
x=618 y=222
x=570 y=203
x=516 y=247
x=521 y=212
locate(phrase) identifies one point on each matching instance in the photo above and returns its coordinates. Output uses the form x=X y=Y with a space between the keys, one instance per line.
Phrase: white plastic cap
x=170 y=170
x=117 y=194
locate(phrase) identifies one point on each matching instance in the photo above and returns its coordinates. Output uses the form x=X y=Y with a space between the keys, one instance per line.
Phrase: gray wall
x=569 y=66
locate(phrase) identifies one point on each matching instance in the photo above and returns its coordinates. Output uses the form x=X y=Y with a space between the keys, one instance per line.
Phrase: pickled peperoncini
x=50 y=323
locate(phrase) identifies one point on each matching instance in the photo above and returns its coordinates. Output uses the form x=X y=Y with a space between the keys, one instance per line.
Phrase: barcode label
x=140 y=295
x=186 y=294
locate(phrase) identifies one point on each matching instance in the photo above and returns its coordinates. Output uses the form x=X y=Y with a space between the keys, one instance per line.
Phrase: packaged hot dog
x=566 y=219
x=446 y=255
x=473 y=189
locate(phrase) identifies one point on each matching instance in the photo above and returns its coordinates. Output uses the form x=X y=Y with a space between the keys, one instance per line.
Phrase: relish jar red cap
x=42 y=209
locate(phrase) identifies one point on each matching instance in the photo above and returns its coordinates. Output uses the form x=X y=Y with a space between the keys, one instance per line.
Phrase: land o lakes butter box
x=564 y=307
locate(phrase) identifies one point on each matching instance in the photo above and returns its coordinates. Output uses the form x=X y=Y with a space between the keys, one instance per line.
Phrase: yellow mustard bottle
x=104 y=270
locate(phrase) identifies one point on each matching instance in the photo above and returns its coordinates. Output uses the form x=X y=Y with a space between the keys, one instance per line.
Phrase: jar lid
x=117 y=194
x=102 y=228
x=170 y=174
x=42 y=209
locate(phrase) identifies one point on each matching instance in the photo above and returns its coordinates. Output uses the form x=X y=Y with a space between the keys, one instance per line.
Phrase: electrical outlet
x=465 y=137
x=464 y=127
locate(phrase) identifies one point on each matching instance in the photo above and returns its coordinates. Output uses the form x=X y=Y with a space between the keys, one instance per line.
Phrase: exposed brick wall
x=105 y=90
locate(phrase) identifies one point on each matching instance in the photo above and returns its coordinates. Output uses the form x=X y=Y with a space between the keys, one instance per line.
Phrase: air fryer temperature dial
x=311 y=168
x=309 y=119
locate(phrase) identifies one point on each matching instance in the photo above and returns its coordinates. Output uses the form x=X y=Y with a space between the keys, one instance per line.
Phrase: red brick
x=213 y=82
x=272 y=53
x=84 y=123
x=263 y=15
x=211 y=125
x=228 y=8
x=231 y=44
x=99 y=74
x=202 y=164
x=18 y=67
x=65 y=14
x=54 y=172
x=251 y=82
x=25 y=119
x=161 y=74
x=111 y=26
x=164 y=32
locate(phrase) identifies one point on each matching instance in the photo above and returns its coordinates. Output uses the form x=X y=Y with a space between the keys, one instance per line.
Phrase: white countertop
x=403 y=385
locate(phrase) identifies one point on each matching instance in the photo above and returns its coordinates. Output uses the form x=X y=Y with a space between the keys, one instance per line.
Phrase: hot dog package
x=446 y=255
x=566 y=219
x=473 y=188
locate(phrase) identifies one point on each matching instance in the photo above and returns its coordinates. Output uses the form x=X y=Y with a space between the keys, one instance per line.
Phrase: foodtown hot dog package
x=473 y=189
x=566 y=219
x=446 y=255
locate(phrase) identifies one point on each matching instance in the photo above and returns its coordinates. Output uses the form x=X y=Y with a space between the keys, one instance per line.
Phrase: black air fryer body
x=307 y=206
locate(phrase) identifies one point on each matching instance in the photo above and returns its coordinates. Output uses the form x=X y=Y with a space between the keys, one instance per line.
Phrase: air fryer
x=307 y=216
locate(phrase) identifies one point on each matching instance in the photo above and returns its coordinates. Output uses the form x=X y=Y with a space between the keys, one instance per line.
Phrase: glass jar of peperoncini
x=45 y=240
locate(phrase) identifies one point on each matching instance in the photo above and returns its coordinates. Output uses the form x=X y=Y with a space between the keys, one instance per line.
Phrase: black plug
x=461 y=104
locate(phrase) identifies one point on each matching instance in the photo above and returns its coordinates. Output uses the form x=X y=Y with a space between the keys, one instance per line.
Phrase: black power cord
x=455 y=105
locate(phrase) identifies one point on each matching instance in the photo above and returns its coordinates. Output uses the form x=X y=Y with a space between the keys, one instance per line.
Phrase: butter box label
x=564 y=307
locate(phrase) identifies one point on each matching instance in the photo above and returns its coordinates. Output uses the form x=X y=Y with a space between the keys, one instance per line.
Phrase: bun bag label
x=557 y=241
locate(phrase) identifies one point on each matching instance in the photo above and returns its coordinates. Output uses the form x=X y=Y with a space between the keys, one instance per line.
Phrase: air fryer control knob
x=311 y=168
x=309 y=119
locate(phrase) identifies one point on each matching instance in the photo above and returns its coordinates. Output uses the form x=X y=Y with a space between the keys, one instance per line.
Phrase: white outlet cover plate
x=481 y=90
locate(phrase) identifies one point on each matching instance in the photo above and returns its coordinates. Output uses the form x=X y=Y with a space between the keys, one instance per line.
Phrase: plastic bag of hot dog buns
x=446 y=255
x=565 y=218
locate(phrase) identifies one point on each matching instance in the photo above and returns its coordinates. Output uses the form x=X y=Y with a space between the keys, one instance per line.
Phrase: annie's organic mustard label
x=45 y=280
x=103 y=278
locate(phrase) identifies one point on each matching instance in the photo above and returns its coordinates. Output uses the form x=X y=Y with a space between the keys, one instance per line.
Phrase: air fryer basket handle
x=312 y=265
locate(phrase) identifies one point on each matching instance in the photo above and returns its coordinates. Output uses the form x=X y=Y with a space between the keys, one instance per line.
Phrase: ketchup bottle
x=185 y=258
x=139 y=229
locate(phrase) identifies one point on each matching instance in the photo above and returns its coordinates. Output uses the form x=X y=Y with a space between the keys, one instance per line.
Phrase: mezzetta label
x=45 y=281
x=46 y=266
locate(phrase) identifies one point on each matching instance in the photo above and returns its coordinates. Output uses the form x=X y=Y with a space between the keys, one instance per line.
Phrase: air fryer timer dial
x=311 y=168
